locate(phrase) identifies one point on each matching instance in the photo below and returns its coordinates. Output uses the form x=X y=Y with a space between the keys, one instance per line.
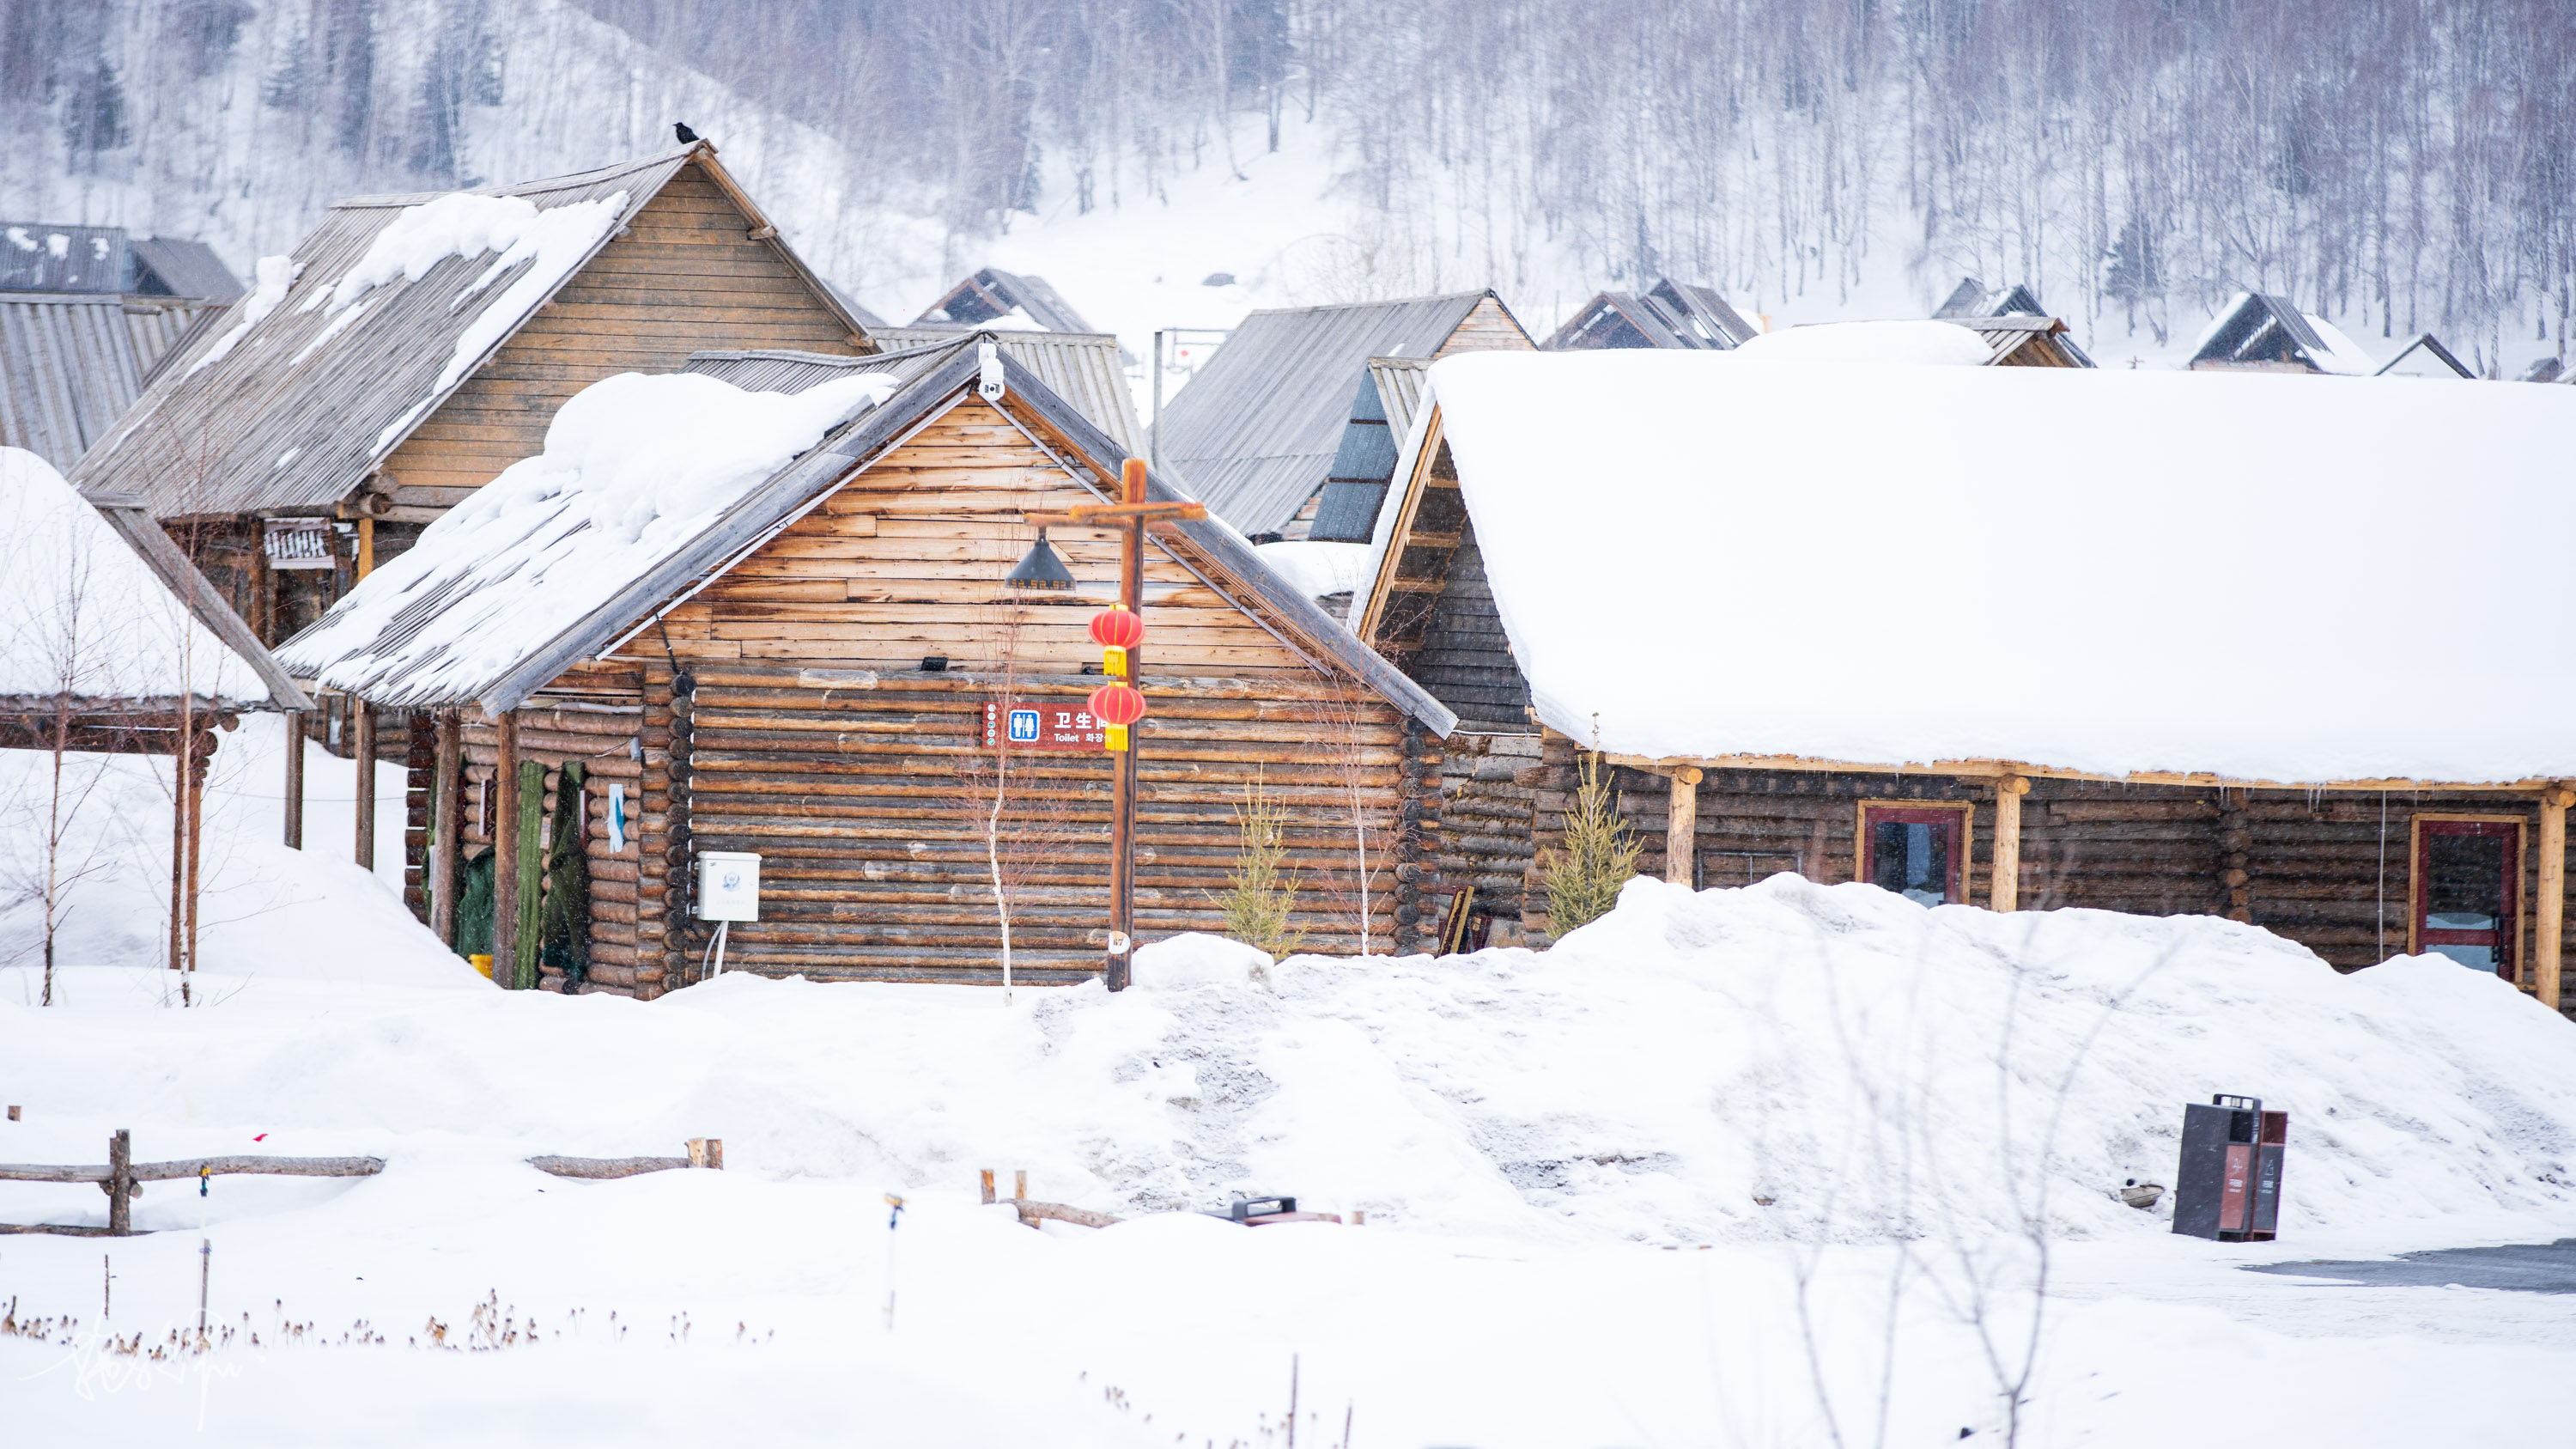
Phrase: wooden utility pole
x=1131 y=515
x=446 y=825
x=362 y=724
x=505 y=851
x=295 y=779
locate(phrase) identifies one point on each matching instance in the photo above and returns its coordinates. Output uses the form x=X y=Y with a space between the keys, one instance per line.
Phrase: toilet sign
x=1042 y=725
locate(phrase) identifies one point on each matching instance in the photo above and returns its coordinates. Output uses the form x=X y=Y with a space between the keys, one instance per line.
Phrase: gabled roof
x=2025 y=340
x=71 y=364
x=292 y=401
x=172 y=267
x=2425 y=357
x=1668 y=315
x=373 y=642
x=2256 y=324
x=991 y=294
x=1083 y=367
x=43 y=257
x=1254 y=433
x=2304 y=474
x=103 y=608
x=1380 y=413
x=1973 y=298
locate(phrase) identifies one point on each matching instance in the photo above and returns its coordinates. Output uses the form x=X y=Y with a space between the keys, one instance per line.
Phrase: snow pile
x=418 y=238
x=1318 y=569
x=273 y=276
x=635 y=467
x=1843 y=344
x=1783 y=1061
x=1761 y=484
x=82 y=613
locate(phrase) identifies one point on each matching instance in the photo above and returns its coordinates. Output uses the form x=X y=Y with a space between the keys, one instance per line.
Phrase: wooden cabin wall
x=861 y=803
x=1489 y=788
x=812 y=736
x=601 y=738
x=1465 y=659
x=1488 y=327
x=686 y=276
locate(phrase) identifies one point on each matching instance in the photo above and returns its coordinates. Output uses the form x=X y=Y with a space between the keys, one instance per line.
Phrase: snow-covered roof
x=340 y=350
x=2166 y=572
x=2257 y=327
x=650 y=484
x=99 y=605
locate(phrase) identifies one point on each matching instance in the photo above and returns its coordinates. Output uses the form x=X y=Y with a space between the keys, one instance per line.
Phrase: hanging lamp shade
x=1117 y=704
x=1040 y=570
x=1117 y=628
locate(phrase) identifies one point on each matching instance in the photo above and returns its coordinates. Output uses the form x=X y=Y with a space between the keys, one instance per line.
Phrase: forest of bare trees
x=2398 y=164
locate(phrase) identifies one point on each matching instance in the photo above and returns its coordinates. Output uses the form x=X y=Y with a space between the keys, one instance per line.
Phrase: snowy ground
x=1726 y=1169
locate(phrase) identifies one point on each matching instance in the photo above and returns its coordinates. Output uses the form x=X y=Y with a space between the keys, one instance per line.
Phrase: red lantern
x=1117 y=704
x=1117 y=628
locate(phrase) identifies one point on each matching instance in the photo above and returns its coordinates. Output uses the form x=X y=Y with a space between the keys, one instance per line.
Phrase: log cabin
x=1989 y=686
x=393 y=365
x=2258 y=331
x=1255 y=433
x=776 y=619
x=117 y=645
x=1668 y=314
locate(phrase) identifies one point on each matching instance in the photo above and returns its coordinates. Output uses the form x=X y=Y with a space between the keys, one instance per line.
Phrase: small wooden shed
x=1868 y=677
x=815 y=668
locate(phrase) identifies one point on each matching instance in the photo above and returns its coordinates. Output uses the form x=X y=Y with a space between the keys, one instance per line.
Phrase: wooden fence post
x=120 y=1183
x=362 y=723
x=531 y=866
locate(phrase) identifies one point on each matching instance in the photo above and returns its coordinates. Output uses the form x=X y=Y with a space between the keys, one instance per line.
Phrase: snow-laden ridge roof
x=2258 y=576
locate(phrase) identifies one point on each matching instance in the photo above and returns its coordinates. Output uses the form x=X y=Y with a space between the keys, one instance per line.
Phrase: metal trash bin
x=2228 y=1186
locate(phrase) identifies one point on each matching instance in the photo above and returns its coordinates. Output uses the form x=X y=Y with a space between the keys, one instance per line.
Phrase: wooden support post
x=120 y=1183
x=1681 y=829
x=2549 y=919
x=366 y=546
x=1020 y=1184
x=531 y=826
x=987 y=1176
x=2004 y=892
x=362 y=728
x=446 y=826
x=1122 y=845
x=295 y=779
x=505 y=852
x=198 y=759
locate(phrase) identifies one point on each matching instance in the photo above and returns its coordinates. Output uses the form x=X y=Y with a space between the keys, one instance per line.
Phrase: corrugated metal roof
x=992 y=293
x=42 y=257
x=1669 y=315
x=1083 y=368
x=324 y=392
x=1399 y=390
x=186 y=268
x=71 y=364
x=1255 y=432
x=1973 y=298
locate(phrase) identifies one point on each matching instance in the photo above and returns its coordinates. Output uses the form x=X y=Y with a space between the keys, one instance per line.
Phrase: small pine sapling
x=1584 y=878
x=1260 y=893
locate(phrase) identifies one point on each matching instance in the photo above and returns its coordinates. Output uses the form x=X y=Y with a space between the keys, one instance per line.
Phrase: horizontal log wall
x=1489 y=787
x=865 y=805
x=601 y=740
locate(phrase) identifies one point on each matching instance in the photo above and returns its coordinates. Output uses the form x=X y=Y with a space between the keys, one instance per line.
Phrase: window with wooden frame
x=1918 y=850
x=2465 y=901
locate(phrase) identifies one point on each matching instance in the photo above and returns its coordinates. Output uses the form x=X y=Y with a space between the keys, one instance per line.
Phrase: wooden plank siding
x=857 y=797
x=684 y=277
x=1487 y=327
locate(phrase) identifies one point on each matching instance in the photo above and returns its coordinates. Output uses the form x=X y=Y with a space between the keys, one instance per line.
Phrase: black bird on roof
x=681 y=129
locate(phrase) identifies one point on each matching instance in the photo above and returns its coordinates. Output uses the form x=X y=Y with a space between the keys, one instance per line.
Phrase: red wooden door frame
x=2506 y=938
x=1953 y=820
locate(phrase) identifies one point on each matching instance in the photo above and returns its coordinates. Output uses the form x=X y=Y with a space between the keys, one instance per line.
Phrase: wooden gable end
x=685 y=276
x=907 y=560
x=1487 y=327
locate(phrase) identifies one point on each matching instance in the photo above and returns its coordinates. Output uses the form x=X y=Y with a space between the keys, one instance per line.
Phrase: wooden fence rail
x=121 y=1178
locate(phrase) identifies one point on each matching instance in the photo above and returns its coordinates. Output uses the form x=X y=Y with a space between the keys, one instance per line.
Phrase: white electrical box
x=728 y=885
